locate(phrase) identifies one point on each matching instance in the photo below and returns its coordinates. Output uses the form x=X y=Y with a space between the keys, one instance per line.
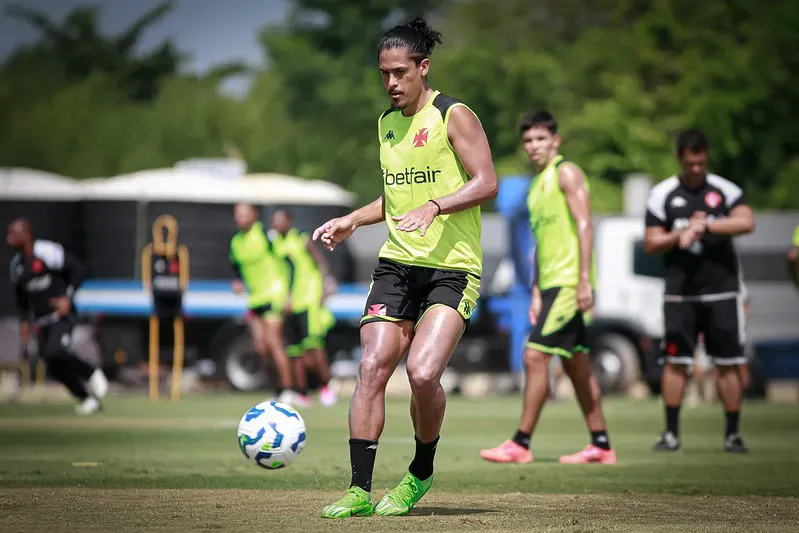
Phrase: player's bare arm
x=572 y=183
x=658 y=240
x=469 y=141
x=330 y=286
x=740 y=221
x=337 y=230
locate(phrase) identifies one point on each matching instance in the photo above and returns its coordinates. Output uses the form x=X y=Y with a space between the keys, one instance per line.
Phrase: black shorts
x=54 y=340
x=168 y=306
x=259 y=310
x=295 y=328
x=405 y=292
x=720 y=322
x=561 y=327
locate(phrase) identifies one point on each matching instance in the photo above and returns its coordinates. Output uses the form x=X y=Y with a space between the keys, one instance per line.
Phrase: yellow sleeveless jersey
x=419 y=165
x=555 y=231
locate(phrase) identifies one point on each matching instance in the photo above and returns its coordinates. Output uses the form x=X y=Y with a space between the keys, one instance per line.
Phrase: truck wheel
x=244 y=369
x=614 y=361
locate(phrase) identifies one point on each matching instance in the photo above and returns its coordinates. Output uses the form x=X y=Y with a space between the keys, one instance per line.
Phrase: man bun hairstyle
x=415 y=35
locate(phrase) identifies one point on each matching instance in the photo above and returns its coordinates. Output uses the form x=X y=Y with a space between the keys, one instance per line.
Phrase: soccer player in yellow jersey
x=563 y=294
x=437 y=171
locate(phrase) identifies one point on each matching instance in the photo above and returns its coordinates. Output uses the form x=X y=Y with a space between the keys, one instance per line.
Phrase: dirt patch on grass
x=76 y=509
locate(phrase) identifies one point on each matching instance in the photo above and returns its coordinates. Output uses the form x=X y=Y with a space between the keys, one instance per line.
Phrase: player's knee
x=372 y=374
x=422 y=376
x=535 y=361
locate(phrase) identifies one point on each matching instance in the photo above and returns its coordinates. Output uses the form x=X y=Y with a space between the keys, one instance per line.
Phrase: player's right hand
x=689 y=236
x=238 y=286
x=334 y=231
x=535 y=308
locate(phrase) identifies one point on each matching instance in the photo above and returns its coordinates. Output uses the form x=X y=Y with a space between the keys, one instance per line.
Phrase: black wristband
x=438 y=206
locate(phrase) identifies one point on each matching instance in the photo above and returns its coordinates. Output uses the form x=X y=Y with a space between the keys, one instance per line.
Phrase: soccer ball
x=272 y=435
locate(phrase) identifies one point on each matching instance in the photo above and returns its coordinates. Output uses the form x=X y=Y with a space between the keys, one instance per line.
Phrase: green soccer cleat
x=357 y=502
x=404 y=496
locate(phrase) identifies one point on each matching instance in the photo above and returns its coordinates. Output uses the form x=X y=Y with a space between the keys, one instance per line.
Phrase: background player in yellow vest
x=437 y=171
x=563 y=294
x=308 y=320
x=258 y=272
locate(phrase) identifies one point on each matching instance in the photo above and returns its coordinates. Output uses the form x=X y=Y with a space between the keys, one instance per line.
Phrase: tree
x=76 y=50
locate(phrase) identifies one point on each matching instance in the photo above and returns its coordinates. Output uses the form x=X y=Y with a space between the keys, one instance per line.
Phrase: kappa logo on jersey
x=390 y=135
x=713 y=199
x=377 y=310
x=420 y=139
x=678 y=201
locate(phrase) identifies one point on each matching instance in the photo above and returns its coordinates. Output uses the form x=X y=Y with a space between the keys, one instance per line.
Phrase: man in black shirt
x=691 y=219
x=45 y=278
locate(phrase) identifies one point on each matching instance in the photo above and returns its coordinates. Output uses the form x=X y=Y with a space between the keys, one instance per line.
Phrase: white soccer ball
x=272 y=435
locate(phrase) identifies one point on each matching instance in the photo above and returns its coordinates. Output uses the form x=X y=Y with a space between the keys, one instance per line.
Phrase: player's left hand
x=62 y=305
x=585 y=296
x=417 y=219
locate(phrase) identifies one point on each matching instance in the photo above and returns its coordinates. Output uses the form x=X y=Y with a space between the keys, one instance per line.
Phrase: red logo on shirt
x=377 y=310
x=174 y=268
x=713 y=199
x=37 y=266
x=420 y=139
x=671 y=348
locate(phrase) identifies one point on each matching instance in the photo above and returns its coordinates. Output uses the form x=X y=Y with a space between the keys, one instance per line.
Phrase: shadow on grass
x=449 y=511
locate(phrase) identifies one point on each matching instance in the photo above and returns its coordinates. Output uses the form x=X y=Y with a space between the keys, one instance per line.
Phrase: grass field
x=142 y=466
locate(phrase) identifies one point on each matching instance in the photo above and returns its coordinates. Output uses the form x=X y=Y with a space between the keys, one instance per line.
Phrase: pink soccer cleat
x=507 y=452
x=327 y=396
x=591 y=454
x=301 y=400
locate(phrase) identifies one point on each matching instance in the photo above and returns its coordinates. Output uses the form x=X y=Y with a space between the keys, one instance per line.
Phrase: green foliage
x=622 y=78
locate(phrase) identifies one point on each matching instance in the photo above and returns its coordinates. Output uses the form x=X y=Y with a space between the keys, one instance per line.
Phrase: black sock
x=733 y=418
x=362 y=458
x=600 y=439
x=673 y=420
x=422 y=464
x=298 y=390
x=522 y=439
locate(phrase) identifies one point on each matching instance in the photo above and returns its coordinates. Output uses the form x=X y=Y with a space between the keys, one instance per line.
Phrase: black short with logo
x=295 y=328
x=720 y=322
x=406 y=292
x=54 y=340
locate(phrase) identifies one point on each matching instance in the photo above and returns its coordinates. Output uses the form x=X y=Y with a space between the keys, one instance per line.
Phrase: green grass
x=140 y=448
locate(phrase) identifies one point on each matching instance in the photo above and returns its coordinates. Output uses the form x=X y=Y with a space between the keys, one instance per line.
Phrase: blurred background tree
x=621 y=76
